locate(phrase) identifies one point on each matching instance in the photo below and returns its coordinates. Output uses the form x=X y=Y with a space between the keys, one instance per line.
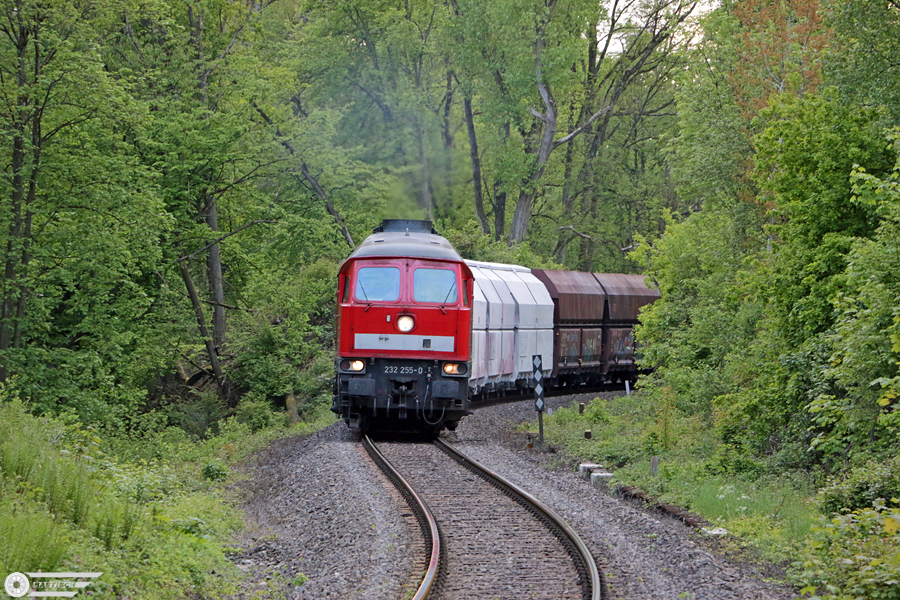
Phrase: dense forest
x=182 y=178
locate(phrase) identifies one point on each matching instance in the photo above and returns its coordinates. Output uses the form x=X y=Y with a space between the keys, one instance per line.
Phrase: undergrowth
x=150 y=509
x=836 y=538
x=767 y=513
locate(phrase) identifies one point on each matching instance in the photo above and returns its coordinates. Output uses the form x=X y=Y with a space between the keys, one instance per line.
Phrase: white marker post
x=539 y=395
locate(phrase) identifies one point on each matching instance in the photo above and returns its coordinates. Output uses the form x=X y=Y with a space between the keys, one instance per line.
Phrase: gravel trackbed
x=323 y=523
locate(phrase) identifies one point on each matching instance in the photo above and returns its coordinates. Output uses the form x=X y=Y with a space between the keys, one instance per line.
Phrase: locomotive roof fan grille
x=405 y=225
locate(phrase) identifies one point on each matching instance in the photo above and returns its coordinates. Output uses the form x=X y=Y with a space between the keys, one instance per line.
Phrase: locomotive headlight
x=455 y=368
x=405 y=323
x=352 y=365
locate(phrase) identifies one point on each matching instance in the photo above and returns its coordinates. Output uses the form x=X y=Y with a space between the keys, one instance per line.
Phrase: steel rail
x=482 y=401
x=426 y=519
x=594 y=577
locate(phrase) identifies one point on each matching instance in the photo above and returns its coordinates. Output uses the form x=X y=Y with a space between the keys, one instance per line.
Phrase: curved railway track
x=487 y=538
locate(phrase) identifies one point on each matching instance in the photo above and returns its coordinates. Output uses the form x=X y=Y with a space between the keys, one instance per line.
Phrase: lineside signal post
x=539 y=395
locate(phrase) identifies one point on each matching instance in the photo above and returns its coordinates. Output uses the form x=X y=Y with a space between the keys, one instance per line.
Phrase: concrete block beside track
x=585 y=470
x=600 y=479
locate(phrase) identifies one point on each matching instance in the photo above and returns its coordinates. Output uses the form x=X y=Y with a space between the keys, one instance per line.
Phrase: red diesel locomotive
x=404 y=323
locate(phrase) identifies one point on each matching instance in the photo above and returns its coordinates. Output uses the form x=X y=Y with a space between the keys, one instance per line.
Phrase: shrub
x=597 y=413
x=856 y=555
x=862 y=486
x=215 y=471
x=257 y=414
x=734 y=459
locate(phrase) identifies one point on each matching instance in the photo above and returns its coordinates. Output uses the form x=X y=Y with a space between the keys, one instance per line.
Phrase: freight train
x=422 y=333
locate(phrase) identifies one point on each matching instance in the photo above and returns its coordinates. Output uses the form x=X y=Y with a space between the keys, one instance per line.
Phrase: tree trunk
x=10 y=272
x=446 y=121
x=26 y=235
x=214 y=274
x=201 y=320
x=16 y=246
x=522 y=216
x=499 y=213
x=568 y=200
x=476 y=168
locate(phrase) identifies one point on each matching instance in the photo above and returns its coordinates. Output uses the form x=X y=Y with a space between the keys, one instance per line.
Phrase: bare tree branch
x=573 y=230
x=586 y=124
x=217 y=240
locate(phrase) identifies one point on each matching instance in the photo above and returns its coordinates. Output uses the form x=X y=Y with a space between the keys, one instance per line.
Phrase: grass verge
x=767 y=515
x=151 y=511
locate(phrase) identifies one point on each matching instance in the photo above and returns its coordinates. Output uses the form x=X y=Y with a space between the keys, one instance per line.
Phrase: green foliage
x=855 y=555
x=705 y=315
x=865 y=357
x=215 y=471
x=286 y=344
x=156 y=529
x=472 y=245
x=803 y=161
x=710 y=116
x=33 y=540
x=865 y=61
x=596 y=412
x=768 y=513
x=257 y=414
x=862 y=486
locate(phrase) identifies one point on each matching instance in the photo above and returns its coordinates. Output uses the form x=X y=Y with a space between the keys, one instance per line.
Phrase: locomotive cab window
x=378 y=284
x=435 y=285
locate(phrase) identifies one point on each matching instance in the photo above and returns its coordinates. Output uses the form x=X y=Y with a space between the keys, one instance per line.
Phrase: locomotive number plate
x=394 y=370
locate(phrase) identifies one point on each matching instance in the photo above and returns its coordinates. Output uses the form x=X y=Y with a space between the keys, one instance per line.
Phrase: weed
x=771 y=515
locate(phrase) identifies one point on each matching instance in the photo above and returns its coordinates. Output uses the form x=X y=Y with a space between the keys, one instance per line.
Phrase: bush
x=597 y=413
x=257 y=414
x=734 y=459
x=855 y=556
x=215 y=471
x=862 y=486
x=65 y=505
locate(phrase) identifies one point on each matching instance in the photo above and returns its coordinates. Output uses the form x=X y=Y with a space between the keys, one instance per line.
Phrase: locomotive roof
x=408 y=243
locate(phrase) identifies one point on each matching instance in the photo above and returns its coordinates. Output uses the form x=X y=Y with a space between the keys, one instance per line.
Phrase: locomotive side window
x=434 y=285
x=378 y=284
x=345 y=283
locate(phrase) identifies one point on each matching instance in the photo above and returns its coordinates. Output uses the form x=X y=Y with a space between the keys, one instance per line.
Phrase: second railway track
x=494 y=540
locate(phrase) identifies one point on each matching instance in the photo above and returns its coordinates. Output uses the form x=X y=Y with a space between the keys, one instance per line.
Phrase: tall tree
x=381 y=64
x=206 y=141
x=46 y=74
x=866 y=62
x=82 y=225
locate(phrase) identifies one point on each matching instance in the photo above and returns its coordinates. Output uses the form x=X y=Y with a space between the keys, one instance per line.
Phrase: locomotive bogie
x=416 y=392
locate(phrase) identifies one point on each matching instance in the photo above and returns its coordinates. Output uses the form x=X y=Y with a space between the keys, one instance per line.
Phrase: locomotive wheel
x=451 y=425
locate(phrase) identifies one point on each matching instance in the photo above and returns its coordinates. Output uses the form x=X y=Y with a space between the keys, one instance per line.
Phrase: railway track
x=486 y=538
